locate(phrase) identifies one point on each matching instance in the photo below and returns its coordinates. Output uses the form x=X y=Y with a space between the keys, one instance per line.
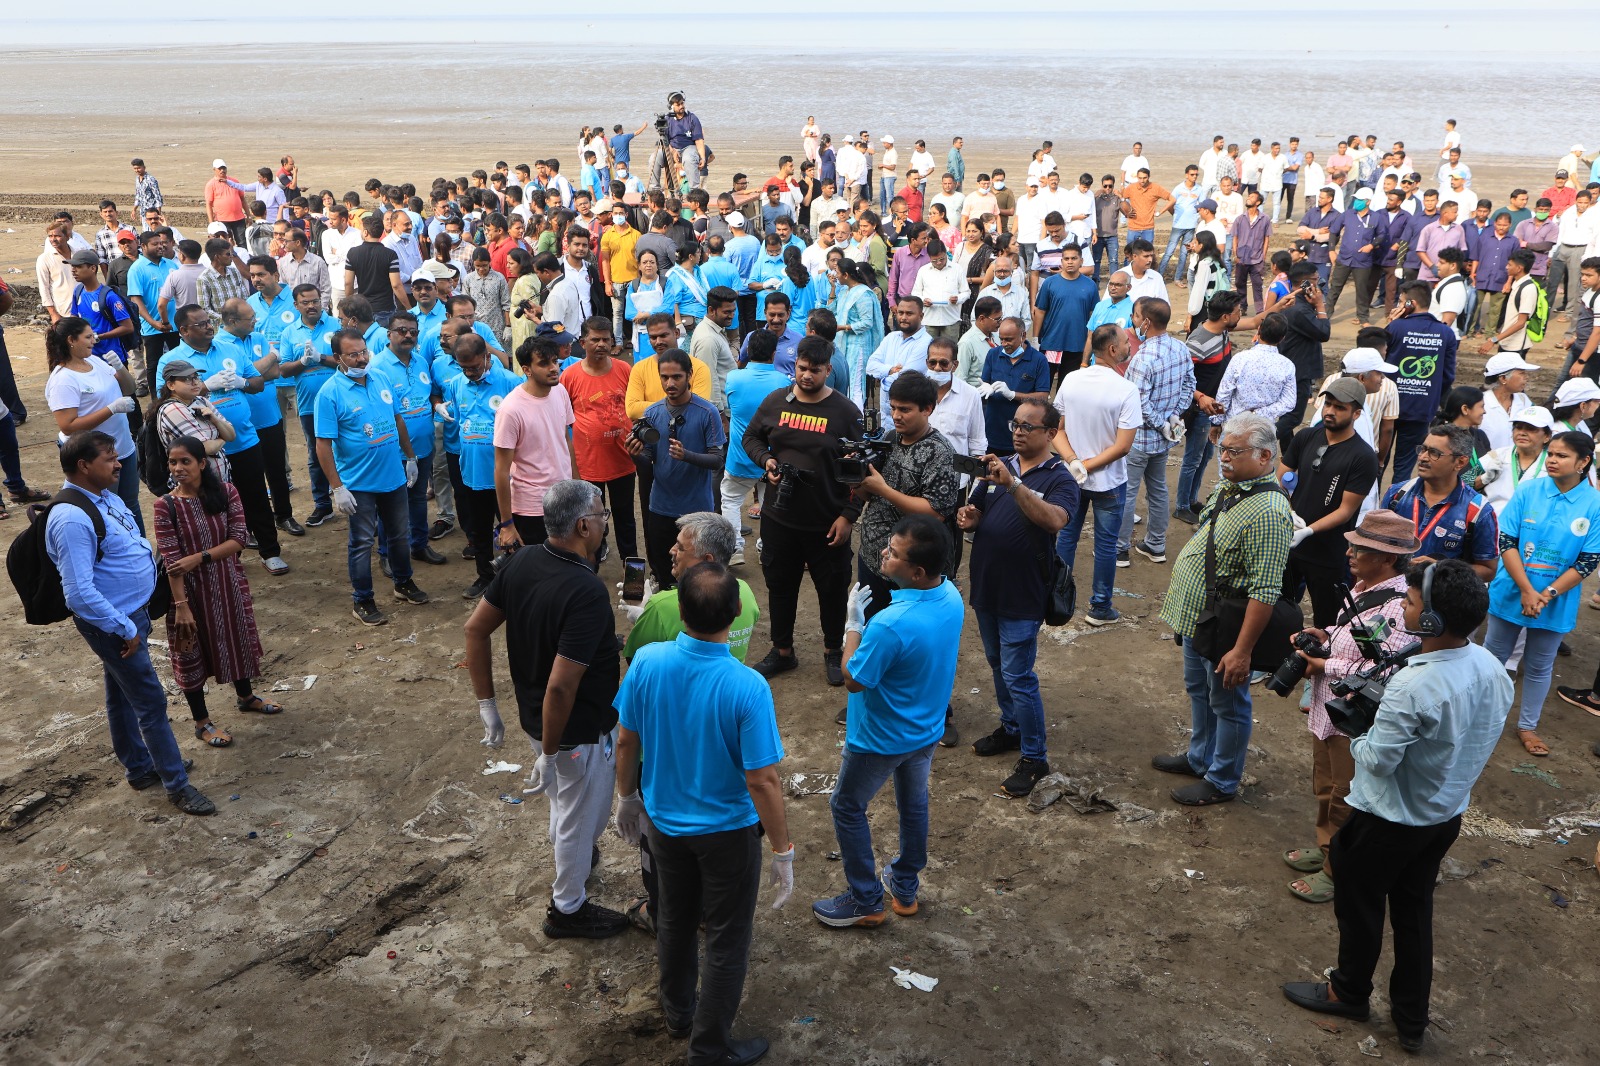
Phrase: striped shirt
x=1252 y=549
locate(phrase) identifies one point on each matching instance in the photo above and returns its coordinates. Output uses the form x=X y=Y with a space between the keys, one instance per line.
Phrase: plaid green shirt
x=1252 y=550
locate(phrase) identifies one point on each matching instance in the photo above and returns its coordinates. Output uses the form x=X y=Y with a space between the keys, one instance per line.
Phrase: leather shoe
x=426 y=554
x=1200 y=794
x=1314 y=995
x=291 y=527
x=743 y=1052
x=1174 y=764
x=150 y=777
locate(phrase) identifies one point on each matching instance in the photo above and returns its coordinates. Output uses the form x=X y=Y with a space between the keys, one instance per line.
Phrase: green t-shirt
x=660 y=623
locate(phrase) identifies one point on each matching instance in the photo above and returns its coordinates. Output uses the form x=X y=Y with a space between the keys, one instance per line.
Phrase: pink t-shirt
x=534 y=429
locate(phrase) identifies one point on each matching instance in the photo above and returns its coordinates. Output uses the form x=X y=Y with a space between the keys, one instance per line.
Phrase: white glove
x=121 y=405
x=442 y=409
x=1399 y=272
x=781 y=877
x=1079 y=472
x=311 y=357
x=221 y=381
x=411 y=472
x=344 y=501
x=1300 y=534
x=494 y=730
x=1000 y=388
x=1175 y=429
x=774 y=284
x=855 y=618
x=985 y=390
x=634 y=610
x=542 y=776
x=630 y=818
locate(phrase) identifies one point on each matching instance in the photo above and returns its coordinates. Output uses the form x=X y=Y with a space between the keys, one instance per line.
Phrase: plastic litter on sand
x=912 y=979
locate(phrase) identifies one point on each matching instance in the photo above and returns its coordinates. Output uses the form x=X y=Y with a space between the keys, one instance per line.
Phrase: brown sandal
x=1531 y=742
x=212 y=734
x=259 y=706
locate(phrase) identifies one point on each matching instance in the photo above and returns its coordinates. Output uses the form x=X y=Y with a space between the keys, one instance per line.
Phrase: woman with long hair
x=859 y=312
x=85 y=392
x=974 y=255
x=1464 y=407
x=211 y=629
x=796 y=285
x=939 y=219
x=643 y=298
x=525 y=287
x=810 y=137
x=1210 y=277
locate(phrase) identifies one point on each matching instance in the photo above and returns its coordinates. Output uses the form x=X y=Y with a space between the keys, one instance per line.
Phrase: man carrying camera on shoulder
x=1430 y=738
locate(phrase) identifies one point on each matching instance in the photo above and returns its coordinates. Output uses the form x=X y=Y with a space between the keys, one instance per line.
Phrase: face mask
x=619 y=220
x=356 y=372
x=603 y=554
x=1002 y=283
x=1360 y=205
x=1541 y=215
x=1139 y=333
x=939 y=377
x=999 y=185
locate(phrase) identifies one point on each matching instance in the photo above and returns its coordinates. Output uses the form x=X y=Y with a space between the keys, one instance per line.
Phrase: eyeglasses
x=1228 y=453
x=1023 y=427
x=1425 y=451
x=604 y=512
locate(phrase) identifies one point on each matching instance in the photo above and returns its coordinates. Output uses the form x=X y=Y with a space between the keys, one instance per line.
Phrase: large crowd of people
x=852 y=375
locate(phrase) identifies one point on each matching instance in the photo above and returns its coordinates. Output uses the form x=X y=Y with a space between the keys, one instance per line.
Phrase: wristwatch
x=205 y=557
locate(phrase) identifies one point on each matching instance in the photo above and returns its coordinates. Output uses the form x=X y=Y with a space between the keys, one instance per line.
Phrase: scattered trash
x=1453 y=869
x=1528 y=769
x=383 y=658
x=1557 y=898
x=510 y=798
x=968 y=910
x=807 y=1020
x=1124 y=592
x=501 y=767
x=394 y=954
x=311 y=679
x=812 y=784
x=1369 y=1047
x=1084 y=797
x=912 y=979
x=1194 y=875
x=300 y=753
x=1325 y=1026
x=360 y=646
x=320 y=852
x=63 y=867
x=973 y=691
x=412 y=639
x=234 y=796
x=833 y=856
x=1132 y=812
x=252 y=834
x=1562 y=840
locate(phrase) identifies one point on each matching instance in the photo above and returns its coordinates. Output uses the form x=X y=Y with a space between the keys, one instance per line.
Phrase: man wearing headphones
x=1434 y=730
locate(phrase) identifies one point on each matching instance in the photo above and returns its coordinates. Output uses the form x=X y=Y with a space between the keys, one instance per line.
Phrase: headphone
x=1429 y=623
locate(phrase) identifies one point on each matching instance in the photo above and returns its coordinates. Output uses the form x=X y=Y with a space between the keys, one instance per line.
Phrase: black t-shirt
x=807 y=436
x=373 y=262
x=556 y=605
x=1324 y=473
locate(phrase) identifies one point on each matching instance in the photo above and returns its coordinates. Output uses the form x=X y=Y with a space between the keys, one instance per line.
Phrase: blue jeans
x=1227 y=253
x=371 y=508
x=1141 y=234
x=1107 y=525
x=861 y=775
x=321 y=492
x=1197 y=449
x=136 y=706
x=1011 y=645
x=416 y=508
x=885 y=192
x=1180 y=241
x=1323 y=270
x=1538 y=660
x=128 y=486
x=1464 y=320
x=1220 y=720
x=1104 y=248
x=1151 y=469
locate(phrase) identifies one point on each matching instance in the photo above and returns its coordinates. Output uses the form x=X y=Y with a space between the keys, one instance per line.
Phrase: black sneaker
x=407 y=592
x=1154 y=555
x=474 y=590
x=367 y=613
x=590 y=921
x=319 y=515
x=1186 y=516
x=426 y=554
x=469 y=552
x=1024 y=776
x=291 y=527
x=833 y=663
x=1123 y=562
x=997 y=743
x=952 y=735
x=191 y=800
x=150 y=778
x=776 y=663
x=1580 y=697
x=440 y=528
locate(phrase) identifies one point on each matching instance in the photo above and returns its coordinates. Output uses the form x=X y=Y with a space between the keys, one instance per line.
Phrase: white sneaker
x=737 y=559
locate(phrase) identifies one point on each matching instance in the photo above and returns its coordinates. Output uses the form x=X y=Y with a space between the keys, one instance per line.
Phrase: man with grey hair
x=1250 y=523
x=703 y=537
x=561 y=643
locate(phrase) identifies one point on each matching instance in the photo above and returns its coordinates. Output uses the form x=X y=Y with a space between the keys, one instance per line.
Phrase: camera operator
x=807 y=516
x=917 y=477
x=686 y=144
x=1414 y=770
x=1379 y=551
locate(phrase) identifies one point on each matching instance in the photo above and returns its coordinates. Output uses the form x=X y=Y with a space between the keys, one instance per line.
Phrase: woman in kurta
x=211 y=629
x=860 y=320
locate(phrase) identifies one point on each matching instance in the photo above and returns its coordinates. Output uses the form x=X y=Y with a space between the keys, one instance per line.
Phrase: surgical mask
x=939 y=377
x=1139 y=333
x=356 y=372
x=999 y=185
x=1359 y=205
x=1002 y=283
x=619 y=220
x=1541 y=215
x=604 y=552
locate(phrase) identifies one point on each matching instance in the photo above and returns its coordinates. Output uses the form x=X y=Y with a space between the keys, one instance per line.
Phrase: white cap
x=1034 y=182
x=734 y=219
x=888 y=138
x=1364 y=193
x=1576 y=391
x=1364 y=360
x=1577 y=149
x=422 y=273
x=216 y=227
x=1534 y=416
x=1504 y=363
x=215 y=163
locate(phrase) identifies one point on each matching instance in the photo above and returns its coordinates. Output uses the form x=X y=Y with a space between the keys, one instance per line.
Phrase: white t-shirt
x=922 y=163
x=1272 y=172
x=1095 y=402
x=1496 y=423
x=889 y=163
x=1131 y=165
x=1449 y=295
x=1030 y=218
x=68 y=390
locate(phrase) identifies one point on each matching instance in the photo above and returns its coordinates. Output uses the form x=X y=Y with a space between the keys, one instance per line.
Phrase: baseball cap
x=126 y=235
x=735 y=220
x=83 y=258
x=1363 y=360
x=216 y=227
x=1575 y=391
x=1504 y=363
x=178 y=368
x=555 y=331
x=432 y=270
x=1208 y=204
x=1346 y=390
x=1033 y=182
x=422 y=273
x=1561 y=174
x=1364 y=193
x=215 y=163
x=1535 y=416
x=888 y=138
x=1577 y=148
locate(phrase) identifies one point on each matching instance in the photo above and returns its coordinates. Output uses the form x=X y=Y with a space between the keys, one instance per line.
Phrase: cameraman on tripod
x=683 y=145
x=1430 y=739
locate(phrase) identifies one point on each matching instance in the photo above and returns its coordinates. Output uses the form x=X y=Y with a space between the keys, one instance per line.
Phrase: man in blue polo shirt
x=1452 y=521
x=747 y=387
x=307 y=360
x=1360 y=237
x=461 y=309
x=685 y=461
x=145 y=279
x=1424 y=349
x=429 y=310
x=413 y=381
x=246 y=344
x=776 y=314
x=1316 y=227
x=275 y=312
x=900 y=664
x=474 y=395
x=365 y=453
x=1013 y=372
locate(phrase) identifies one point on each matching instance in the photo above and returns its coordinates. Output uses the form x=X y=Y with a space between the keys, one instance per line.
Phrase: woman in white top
x=811 y=137
x=1210 y=277
x=644 y=298
x=84 y=393
x=1505 y=377
x=1523 y=460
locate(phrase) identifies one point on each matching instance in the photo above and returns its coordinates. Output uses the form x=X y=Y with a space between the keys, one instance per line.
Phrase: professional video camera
x=1358 y=696
x=851 y=468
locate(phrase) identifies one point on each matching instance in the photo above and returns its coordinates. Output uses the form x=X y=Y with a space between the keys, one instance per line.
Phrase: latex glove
x=1000 y=388
x=312 y=357
x=634 y=610
x=221 y=381
x=855 y=619
x=774 y=284
x=494 y=730
x=985 y=390
x=781 y=877
x=1301 y=531
x=121 y=405
x=344 y=501
x=1399 y=272
x=1489 y=475
x=1079 y=472
x=542 y=776
x=630 y=818
x=1175 y=429
x=442 y=409
x=411 y=471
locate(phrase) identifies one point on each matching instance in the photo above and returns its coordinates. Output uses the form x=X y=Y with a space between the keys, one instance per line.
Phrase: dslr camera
x=1292 y=670
x=644 y=432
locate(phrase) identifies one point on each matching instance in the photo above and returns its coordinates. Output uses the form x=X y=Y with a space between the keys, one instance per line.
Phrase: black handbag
x=1061 y=589
x=1216 y=631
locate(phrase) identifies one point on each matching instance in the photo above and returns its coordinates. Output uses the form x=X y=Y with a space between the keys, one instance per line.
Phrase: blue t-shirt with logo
x=297 y=341
x=746 y=388
x=414 y=382
x=232 y=404
x=104 y=310
x=144 y=281
x=682 y=488
x=475 y=403
x=1552 y=528
x=906 y=670
x=271 y=320
x=360 y=418
x=264 y=404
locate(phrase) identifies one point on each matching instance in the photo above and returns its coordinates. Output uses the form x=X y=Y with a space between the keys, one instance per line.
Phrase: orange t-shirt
x=600 y=420
x=1143 y=202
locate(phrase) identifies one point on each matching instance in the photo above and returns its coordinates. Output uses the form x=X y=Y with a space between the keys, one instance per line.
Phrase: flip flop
x=1318 y=888
x=257 y=705
x=1304 y=860
x=212 y=734
x=1532 y=743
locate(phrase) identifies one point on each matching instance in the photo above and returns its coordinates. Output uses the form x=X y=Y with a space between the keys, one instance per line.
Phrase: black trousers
x=275 y=457
x=715 y=878
x=1323 y=581
x=660 y=531
x=1379 y=863
x=250 y=482
x=786 y=554
x=619 y=495
x=9 y=397
x=1287 y=424
x=748 y=319
x=155 y=346
x=958 y=542
x=647 y=478
x=478 y=510
x=530 y=527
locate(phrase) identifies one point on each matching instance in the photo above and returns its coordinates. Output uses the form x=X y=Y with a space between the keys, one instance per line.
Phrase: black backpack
x=33 y=572
x=152 y=455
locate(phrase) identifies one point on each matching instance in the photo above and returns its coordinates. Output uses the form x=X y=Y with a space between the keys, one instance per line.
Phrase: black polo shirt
x=555 y=604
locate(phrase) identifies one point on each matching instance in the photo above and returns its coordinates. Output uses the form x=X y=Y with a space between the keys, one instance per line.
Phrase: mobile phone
x=633 y=579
